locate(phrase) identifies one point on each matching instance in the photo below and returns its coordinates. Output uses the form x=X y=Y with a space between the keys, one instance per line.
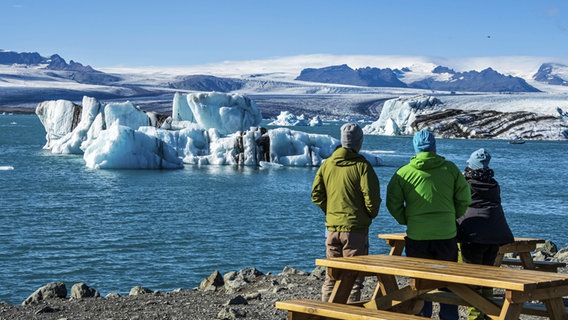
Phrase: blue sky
x=191 y=32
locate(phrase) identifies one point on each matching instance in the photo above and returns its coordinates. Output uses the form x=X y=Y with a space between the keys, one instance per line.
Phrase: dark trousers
x=446 y=250
x=478 y=253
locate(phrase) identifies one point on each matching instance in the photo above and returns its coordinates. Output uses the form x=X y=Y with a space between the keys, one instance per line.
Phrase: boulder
x=138 y=290
x=214 y=281
x=55 y=290
x=81 y=290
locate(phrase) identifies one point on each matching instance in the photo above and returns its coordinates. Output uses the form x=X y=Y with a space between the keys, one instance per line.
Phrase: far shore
x=17 y=110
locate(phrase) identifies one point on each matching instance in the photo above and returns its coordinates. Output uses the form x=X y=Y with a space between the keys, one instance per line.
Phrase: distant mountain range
x=28 y=78
x=442 y=78
x=73 y=70
x=487 y=80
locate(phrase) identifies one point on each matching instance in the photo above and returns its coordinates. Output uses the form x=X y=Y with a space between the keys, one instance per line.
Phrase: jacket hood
x=427 y=160
x=345 y=157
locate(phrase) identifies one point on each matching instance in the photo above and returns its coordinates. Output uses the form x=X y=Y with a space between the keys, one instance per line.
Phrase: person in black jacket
x=483 y=228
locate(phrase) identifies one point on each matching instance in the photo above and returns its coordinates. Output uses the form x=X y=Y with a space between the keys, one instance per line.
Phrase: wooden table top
x=401 y=235
x=449 y=272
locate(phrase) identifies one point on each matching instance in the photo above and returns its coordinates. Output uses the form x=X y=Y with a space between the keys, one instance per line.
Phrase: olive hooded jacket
x=346 y=189
x=427 y=195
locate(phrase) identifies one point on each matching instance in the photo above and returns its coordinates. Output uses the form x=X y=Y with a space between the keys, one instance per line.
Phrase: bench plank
x=313 y=309
x=551 y=266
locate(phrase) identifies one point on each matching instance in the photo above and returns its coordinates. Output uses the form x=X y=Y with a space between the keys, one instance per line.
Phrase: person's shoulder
x=450 y=164
x=402 y=169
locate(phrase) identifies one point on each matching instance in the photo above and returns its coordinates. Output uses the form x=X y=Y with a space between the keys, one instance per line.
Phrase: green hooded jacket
x=346 y=189
x=428 y=195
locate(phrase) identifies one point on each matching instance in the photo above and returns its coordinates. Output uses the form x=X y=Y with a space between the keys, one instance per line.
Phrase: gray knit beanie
x=351 y=136
x=479 y=159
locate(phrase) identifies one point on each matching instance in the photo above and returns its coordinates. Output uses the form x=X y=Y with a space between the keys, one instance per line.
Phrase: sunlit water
x=116 y=229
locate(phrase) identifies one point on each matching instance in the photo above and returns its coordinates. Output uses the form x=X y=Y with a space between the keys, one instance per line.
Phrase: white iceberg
x=121 y=147
x=288 y=119
x=228 y=113
x=398 y=115
x=120 y=135
x=315 y=121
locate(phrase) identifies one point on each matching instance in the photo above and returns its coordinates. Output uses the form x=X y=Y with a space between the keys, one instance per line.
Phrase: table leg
x=556 y=309
x=499 y=259
x=527 y=260
x=476 y=299
x=510 y=310
x=344 y=281
x=388 y=296
x=397 y=247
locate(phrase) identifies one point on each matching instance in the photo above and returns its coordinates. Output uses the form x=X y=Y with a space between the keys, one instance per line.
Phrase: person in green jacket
x=346 y=188
x=427 y=195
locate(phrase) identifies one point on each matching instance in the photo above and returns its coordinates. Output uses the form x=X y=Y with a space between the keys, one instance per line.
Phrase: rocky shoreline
x=244 y=294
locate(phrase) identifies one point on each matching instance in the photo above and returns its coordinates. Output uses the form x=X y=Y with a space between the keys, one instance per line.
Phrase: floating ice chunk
x=121 y=147
x=58 y=118
x=315 y=121
x=228 y=113
x=286 y=119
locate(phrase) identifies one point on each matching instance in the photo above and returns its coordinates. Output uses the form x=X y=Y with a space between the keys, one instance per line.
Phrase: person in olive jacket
x=346 y=188
x=483 y=228
x=427 y=195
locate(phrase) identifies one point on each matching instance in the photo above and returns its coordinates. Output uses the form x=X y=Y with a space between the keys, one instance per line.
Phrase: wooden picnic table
x=427 y=275
x=522 y=246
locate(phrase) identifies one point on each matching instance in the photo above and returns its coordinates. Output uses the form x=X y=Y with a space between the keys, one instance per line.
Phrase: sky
x=128 y=33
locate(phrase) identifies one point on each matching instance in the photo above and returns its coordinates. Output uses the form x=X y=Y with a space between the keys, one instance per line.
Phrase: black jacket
x=484 y=221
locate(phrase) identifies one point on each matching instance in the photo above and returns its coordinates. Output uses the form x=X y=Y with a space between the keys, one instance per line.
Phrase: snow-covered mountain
x=276 y=84
x=442 y=79
x=552 y=73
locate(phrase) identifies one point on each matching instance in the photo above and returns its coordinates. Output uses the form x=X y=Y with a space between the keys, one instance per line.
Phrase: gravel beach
x=246 y=294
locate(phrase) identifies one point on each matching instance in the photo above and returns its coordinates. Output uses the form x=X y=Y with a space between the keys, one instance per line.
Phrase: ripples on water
x=115 y=229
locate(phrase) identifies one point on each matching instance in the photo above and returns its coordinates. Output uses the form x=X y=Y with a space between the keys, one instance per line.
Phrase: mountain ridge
x=27 y=79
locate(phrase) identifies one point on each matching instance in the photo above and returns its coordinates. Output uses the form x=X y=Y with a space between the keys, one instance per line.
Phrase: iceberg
x=204 y=129
x=407 y=115
x=58 y=117
x=227 y=113
x=315 y=121
x=398 y=115
x=121 y=147
x=288 y=119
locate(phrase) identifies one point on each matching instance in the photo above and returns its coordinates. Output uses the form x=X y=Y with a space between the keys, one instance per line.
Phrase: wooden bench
x=313 y=309
x=548 y=266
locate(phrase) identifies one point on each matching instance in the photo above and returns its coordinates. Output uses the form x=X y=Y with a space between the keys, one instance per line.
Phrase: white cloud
x=290 y=67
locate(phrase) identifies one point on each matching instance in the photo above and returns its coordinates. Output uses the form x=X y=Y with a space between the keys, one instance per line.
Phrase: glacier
x=202 y=130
